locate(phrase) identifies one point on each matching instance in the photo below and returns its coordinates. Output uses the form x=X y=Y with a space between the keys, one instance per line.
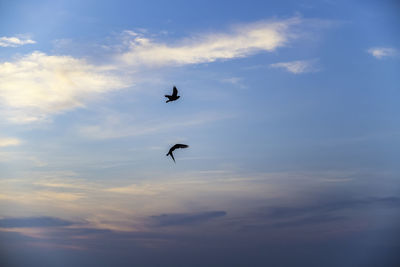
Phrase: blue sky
x=290 y=109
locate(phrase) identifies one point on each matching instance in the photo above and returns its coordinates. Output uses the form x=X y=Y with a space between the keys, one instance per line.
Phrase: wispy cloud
x=33 y=222
x=324 y=212
x=9 y=142
x=134 y=189
x=328 y=207
x=15 y=41
x=236 y=81
x=383 y=52
x=38 y=85
x=186 y=218
x=116 y=126
x=58 y=196
x=298 y=66
x=241 y=41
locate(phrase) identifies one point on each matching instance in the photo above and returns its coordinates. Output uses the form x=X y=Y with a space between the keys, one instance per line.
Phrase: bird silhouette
x=175 y=147
x=174 y=95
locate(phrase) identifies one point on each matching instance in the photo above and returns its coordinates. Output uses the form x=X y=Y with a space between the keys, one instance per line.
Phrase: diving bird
x=175 y=147
x=174 y=95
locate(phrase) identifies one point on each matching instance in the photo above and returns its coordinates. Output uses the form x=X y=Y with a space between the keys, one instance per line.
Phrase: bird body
x=174 y=95
x=175 y=147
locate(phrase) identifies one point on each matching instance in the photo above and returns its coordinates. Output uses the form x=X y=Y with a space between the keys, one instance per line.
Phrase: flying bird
x=174 y=95
x=175 y=147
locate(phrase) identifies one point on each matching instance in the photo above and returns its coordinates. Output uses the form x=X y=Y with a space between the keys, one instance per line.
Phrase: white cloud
x=15 y=41
x=232 y=80
x=144 y=189
x=297 y=67
x=9 y=142
x=382 y=52
x=236 y=81
x=242 y=41
x=38 y=85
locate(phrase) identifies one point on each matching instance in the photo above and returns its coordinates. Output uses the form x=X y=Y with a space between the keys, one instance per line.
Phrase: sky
x=290 y=110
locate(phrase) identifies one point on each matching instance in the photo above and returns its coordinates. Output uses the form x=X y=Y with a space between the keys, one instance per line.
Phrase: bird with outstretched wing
x=174 y=95
x=175 y=147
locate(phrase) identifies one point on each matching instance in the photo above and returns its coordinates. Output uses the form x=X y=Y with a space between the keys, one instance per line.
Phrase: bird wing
x=180 y=146
x=175 y=92
x=172 y=156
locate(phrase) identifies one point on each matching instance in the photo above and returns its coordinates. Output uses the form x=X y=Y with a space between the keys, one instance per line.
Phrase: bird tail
x=172 y=156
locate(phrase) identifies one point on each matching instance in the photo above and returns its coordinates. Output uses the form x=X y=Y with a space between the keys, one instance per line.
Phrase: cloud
x=214 y=246
x=382 y=52
x=15 y=41
x=297 y=67
x=119 y=126
x=9 y=142
x=241 y=41
x=327 y=207
x=324 y=212
x=185 y=218
x=146 y=189
x=38 y=85
x=232 y=80
x=33 y=222
x=58 y=196
x=236 y=81
x=309 y=220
